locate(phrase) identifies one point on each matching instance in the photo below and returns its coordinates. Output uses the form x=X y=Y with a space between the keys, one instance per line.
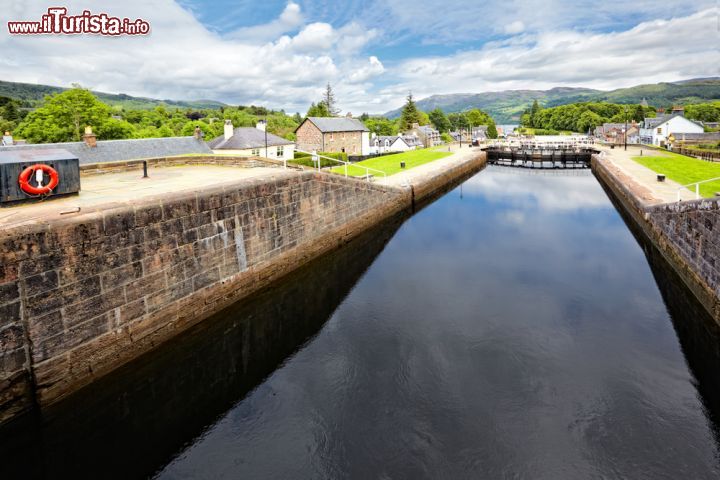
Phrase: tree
x=329 y=100
x=492 y=131
x=533 y=112
x=410 y=114
x=318 y=110
x=439 y=120
x=63 y=117
x=380 y=126
x=10 y=112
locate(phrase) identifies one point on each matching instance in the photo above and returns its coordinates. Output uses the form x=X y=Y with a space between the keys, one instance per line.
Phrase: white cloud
x=371 y=69
x=181 y=59
x=290 y=19
x=515 y=27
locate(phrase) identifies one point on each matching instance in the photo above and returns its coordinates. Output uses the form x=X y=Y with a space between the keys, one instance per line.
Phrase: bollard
x=402 y=164
x=145 y=175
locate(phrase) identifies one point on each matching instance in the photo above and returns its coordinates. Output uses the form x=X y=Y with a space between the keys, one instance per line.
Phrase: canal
x=516 y=327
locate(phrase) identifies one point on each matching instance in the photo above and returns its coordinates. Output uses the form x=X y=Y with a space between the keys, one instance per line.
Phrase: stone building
x=427 y=135
x=333 y=134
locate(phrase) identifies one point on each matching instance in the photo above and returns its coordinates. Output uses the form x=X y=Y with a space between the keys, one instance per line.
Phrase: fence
x=701 y=154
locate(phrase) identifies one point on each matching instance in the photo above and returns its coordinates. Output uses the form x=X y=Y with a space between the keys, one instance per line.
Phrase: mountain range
x=33 y=94
x=504 y=106
x=507 y=106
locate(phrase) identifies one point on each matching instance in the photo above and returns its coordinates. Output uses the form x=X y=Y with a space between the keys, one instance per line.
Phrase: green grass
x=390 y=164
x=684 y=170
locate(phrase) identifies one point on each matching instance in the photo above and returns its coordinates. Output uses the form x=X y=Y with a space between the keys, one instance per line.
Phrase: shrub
x=306 y=159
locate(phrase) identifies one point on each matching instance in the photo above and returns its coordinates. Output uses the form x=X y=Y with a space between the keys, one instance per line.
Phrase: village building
x=252 y=142
x=614 y=133
x=385 y=144
x=684 y=139
x=428 y=136
x=333 y=134
x=656 y=130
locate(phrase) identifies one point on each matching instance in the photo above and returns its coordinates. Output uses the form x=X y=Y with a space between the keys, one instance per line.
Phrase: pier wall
x=81 y=296
x=686 y=233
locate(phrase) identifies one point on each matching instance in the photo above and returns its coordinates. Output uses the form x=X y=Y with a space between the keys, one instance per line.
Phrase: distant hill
x=507 y=106
x=34 y=94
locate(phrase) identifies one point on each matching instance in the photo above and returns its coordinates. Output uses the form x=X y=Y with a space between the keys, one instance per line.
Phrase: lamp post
x=626 y=128
x=266 y=125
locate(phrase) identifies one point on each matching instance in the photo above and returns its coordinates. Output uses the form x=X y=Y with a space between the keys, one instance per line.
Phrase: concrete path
x=412 y=176
x=655 y=192
x=118 y=188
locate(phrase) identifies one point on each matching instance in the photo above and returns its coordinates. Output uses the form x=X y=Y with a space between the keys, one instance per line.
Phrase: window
x=255 y=152
x=280 y=151
x=343 y=136
x=332 y=137
x=659 y=131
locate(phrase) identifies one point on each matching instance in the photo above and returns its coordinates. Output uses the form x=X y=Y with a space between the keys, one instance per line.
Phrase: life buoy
x=38 y=169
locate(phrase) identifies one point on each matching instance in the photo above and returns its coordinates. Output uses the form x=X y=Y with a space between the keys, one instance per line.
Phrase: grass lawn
x=684 y=170
x=390 y=164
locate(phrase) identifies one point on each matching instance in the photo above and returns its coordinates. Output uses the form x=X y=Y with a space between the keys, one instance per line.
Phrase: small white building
x=252 y=142
x=657 y=130
x=384 y=144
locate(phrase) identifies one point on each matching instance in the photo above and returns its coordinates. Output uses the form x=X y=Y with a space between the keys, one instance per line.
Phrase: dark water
x=515 y=328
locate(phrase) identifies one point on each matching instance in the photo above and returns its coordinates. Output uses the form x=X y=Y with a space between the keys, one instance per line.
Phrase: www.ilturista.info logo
x=57 y=21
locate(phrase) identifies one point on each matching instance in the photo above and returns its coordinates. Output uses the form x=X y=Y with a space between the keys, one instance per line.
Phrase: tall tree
x=410 y=114
x=533 y=112
x=329 y=100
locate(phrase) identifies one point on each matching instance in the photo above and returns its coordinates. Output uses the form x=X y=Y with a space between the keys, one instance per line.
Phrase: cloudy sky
x=281 y=54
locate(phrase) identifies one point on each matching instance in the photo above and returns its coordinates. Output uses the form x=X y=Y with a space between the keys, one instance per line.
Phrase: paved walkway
x=654 y=191
x=119 y=188
x=414 y=175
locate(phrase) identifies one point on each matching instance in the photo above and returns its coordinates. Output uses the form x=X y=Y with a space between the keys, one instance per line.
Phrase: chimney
x=660 y=111
x=89 y=137
x=678 y=110
x=415 y=125
x=7 y=139
x=228 y=129
x=198 y=133
x=261 y=125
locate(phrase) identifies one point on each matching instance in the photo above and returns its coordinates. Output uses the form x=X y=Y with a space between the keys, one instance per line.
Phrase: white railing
x=697 y=187
x=316 y=159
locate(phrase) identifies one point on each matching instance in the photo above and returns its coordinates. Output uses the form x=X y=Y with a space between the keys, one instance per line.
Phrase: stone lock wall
x=83 y=295
x=686 y=233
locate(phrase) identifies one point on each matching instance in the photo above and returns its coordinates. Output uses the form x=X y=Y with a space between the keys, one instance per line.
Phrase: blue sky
x=282 y=53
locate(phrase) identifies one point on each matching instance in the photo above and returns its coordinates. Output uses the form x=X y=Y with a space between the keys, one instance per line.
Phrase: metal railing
x=316 y=159
x=697 y=187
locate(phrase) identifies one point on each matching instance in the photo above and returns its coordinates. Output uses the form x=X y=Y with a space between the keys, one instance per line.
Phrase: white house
x=252 y=142
x=657 y=130
x=384 y=144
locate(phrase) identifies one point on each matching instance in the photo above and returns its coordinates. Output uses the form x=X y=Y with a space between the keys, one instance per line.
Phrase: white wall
x=288 y=152
x=365 y=143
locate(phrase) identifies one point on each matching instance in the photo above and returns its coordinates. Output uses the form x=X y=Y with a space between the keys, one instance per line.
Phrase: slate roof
x=391 y=138
x=120 y=150
x=247 y=137
x=412 y=141
x=338 y=124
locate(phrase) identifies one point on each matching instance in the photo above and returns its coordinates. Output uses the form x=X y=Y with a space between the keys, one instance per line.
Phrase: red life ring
x=24 y=180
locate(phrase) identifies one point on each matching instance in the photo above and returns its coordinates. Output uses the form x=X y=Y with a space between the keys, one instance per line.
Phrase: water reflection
x=477 y=347
x=134 y=421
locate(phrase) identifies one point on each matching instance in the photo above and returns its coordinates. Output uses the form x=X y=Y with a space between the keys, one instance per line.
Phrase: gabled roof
x=120 y=150
x=247 y=137
x=337 y=124
x=391 y=138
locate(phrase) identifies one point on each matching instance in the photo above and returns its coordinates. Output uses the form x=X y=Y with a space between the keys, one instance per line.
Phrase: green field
x=390 y=164
x=684 y=170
